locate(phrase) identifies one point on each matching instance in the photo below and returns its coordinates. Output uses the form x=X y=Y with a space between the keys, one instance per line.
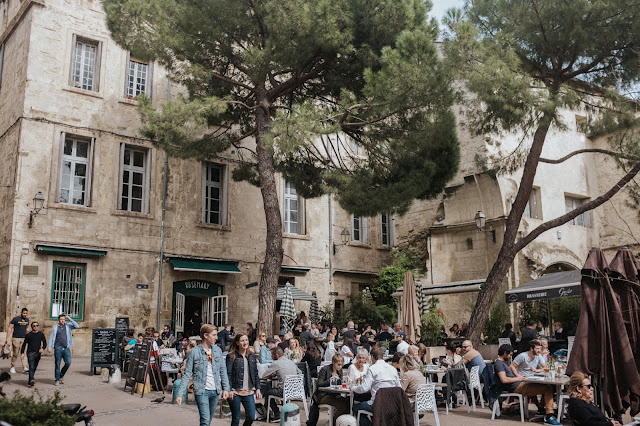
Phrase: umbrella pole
x=549 y=317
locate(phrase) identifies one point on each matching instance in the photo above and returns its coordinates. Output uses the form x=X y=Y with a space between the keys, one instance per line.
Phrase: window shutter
x=89 y=173
x=363 y=226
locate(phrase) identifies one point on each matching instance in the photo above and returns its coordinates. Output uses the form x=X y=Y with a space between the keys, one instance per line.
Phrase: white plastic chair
x=474 y=383
x=365 y=412
x=561 y=401
x=321 y=406
x=293 y=390
x=426 y=401
x=496 y=405
x=504 y=341
x=570 y=340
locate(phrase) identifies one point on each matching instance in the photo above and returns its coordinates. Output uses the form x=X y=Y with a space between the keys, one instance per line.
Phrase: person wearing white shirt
x=528 y=363
x=347 y=350
x=359 y=367
x=379 y=375
x=403 y=347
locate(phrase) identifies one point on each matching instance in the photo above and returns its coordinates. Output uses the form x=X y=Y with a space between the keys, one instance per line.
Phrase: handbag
x=6 y=350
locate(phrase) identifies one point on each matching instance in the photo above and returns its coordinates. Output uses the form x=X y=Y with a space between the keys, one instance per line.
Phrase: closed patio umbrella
x=287 y=309
x=410 y=309
x=624 y=280
x=314 y=311
x=601 y=347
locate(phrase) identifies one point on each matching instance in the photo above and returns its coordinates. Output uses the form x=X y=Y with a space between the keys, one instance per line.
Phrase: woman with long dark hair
x=242 y=369
x=313 y=358
x=347 y=350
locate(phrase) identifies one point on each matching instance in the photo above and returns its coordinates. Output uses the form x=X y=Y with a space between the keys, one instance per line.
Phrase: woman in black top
x=581 y=407
x=242 y=369
x=313 y=358
x=324 y=379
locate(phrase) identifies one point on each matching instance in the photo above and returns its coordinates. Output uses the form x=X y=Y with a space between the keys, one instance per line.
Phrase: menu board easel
x=104 y=348
x=140 y=367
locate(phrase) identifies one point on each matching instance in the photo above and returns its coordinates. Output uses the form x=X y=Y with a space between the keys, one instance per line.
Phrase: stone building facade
x=458 y=252
x=69 y=129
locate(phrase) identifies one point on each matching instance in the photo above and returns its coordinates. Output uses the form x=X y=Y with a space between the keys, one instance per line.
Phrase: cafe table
x=340 y=391
x=559 y=381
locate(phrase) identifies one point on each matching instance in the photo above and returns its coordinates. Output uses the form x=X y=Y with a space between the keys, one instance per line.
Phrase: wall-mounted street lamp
x=344 y=237
x=481 y=221
x=38 y=204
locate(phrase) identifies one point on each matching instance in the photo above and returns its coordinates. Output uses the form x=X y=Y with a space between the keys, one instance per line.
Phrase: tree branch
x=583 y=151
x=230 y=81
x=554 y=223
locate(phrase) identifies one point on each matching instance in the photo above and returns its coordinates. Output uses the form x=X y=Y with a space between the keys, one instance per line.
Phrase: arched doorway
x=205 y=297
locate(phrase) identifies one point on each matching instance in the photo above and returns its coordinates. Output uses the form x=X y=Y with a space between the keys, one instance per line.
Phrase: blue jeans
x=34 y=359
x=364 y=420
x=207 y=404
x=249 y=404
x=60 y=354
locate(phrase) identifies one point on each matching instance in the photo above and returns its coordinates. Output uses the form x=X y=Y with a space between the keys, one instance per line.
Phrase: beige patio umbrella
x=410 y=309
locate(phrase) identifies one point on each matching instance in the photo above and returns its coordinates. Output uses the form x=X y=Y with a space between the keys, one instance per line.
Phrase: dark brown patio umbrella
x=601 y=345
x=624 y=280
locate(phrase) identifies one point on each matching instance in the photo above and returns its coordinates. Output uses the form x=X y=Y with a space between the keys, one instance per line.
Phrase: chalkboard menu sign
x=139 y=366
x=122 y=325
x=104 y=348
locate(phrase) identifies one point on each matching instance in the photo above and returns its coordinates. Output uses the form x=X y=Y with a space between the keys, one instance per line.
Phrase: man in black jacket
x=224 y=338
x=34 y=343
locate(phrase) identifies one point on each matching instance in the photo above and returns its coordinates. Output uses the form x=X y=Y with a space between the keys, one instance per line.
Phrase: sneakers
x=32 y=383
x=551 y=420
x=56 y=383
x=26 y=370
x=12 y=371
x=61 y=380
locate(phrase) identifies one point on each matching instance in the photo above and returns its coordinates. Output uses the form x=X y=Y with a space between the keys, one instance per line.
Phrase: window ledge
x=356 y=244
x=385 y=248
x=127 y=101
x=83 y=92
x=296 y=236
x=132 y=214
x=214 y=227
x=63 y=206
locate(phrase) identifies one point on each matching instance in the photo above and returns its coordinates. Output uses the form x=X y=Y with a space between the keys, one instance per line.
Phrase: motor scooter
x=79 y=412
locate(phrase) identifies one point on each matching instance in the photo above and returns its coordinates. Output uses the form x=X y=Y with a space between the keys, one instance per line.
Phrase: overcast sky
x=441 y=6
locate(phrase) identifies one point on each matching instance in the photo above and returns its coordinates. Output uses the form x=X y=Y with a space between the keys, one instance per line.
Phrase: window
x=293 y=210
x=134 y=179
x=358 y=229
x=138 y=78
x=75 y=170
x=572 y=203
x=85 y=64
x=355 y=148
x=1 y=61
x=532 y=209
x=67 y=289
x=386 y=229
x=215 y=194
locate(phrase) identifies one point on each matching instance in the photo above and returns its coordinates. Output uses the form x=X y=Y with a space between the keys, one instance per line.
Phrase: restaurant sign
x=537 y=294
x=199 y=287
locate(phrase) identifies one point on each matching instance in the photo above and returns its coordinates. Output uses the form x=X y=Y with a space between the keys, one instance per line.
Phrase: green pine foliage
x=498 y=317
x=391 y=277
x=23 y=410
x=328 y=73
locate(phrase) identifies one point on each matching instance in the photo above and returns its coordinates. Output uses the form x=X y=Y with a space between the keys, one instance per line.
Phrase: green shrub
x=22 y=410
x=432 y=322
x=498 y=316
x=391 y=277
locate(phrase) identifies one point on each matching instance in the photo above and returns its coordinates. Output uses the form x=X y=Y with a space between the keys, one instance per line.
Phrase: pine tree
x=339 y=96
x=524 y=61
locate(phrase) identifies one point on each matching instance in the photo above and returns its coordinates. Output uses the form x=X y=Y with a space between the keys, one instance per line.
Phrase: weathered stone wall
x=132 y=240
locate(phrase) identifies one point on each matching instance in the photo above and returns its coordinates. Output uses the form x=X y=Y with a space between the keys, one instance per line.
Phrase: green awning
x=201 y=265
x=294 y=269
x=69 y=251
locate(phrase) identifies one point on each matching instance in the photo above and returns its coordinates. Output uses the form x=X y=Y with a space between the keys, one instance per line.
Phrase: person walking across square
x=34 y=344
x=17 y=331
x=61 y=340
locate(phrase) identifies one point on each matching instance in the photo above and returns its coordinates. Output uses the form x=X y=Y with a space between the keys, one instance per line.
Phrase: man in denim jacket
x=208 y=368
x=60 y=341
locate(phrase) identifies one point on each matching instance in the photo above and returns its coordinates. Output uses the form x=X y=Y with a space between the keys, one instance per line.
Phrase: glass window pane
x=138 y=159
x=81 y=169
x=127 y=156
x=68 y=147
x=124 y=205
x=214 y=175
x=125 y=177
x=136 y=191
x=64 y=196
x=78 y=197
x=82 y=149
x=137 y=178
x=136 y=205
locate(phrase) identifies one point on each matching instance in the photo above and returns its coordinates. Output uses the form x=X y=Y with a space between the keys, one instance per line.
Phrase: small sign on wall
x=142 y=286
x=29 y=270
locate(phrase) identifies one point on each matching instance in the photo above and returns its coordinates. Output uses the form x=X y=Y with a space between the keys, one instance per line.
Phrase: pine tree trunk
x=273 y=252
x=508 y=252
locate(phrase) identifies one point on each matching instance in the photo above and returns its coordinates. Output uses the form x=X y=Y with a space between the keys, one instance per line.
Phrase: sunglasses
x=590 y=386
x=34 y=325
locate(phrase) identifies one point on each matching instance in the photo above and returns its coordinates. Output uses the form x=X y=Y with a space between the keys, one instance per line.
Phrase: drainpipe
x=330 y=240
x=164 y=209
